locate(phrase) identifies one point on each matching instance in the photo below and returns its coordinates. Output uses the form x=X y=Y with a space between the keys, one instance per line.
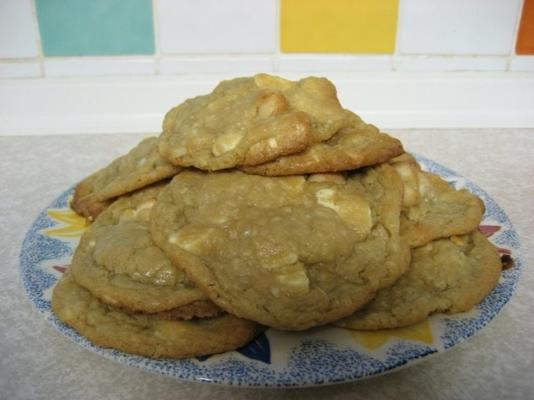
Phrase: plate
x=320 y=356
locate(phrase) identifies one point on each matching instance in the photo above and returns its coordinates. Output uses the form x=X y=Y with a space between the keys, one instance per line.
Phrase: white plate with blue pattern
x=320 y=356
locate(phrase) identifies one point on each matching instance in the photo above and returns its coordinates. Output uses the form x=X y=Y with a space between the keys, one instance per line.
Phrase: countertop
x=37 y=362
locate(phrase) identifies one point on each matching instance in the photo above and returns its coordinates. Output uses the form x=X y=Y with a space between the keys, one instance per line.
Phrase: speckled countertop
x=36 y=362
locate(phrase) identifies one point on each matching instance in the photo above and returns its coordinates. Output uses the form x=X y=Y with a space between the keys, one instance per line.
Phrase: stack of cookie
x=266 y=204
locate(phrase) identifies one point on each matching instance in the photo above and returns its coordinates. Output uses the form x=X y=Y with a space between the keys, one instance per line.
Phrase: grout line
x=114 y=57
x=136 y=57
x=454 y=56
x=444 y=55
x=396 y=51
x=155 y=24
x=218 y=55
x=214 y=56
x=348 y=55
x=514 y=40
x=277 y=28
x=40 y=56
x=20 y=60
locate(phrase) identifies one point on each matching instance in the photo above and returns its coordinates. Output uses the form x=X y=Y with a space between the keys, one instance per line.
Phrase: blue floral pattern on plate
x=320 y=356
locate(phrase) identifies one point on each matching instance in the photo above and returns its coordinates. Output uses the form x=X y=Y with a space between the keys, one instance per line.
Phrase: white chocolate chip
x=146 y=205
x=332 y=178
x=179 y=151
x=191 y=239
x=325 y=197
x=141 y=162
x=272 y=143
x=294 y=281
x=279 y=260
x=354 y=210
x=225 y=143
x=270 y=81
x=405 y=171
x=132 y=213
x=425 y=187
x=409 y=176
x=273 y=104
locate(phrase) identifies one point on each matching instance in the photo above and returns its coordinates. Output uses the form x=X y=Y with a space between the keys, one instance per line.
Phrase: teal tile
x=95 y=27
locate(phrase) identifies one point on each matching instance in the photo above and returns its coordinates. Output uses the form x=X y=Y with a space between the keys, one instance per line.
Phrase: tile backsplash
x=56 y=38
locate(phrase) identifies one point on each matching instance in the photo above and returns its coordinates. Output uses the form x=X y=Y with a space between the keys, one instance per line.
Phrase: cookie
x=447 y=275
x=432 y=208
x=146 y=335
x=249 y=121
x=140 y=167
x=287 y=252
x=355 y=146
x=196 y=309
x=117 y=261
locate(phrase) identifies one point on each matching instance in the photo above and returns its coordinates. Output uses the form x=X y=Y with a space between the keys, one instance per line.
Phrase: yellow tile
x=338 y=26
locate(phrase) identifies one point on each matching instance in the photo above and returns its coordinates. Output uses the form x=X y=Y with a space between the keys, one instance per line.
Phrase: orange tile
x=525 y=35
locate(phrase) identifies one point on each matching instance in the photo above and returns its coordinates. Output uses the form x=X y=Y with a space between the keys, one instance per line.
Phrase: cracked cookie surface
x=287 y=252
x=432 y=208
x=249 y=121
x=118 y=262
x=140 y=167
x=446 y=275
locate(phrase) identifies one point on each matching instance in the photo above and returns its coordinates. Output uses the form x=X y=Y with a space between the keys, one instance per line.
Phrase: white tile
x=214 y=26
x=213 y=65
x=19 y=70
x=98 y=66
x=484 y=27
x=522 y=63
x=18 y=33
x=449 y=63
x=334 y=63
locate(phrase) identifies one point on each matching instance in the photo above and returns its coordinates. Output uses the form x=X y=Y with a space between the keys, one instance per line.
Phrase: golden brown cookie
x=146 y=335
x=433 y=209
x=354 y=146
x=196 y=309
x=287 y=252
x=141 y=167
x=249 y=121
x=446 y=275
x=118 y=262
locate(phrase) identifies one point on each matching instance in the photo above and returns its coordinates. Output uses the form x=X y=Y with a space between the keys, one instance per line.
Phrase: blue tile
x=95 y=27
